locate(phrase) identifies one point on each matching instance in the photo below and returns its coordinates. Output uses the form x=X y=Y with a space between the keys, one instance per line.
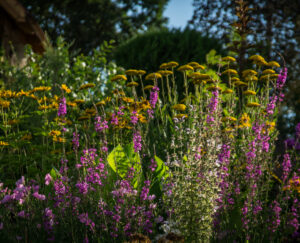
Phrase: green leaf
x=121 y=159
x=161 y=169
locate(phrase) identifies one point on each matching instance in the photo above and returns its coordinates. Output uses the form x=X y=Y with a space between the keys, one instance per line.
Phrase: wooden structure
x=18 y=28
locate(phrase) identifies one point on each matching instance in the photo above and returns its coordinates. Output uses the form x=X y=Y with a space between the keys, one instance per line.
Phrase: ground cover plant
x=96 y=154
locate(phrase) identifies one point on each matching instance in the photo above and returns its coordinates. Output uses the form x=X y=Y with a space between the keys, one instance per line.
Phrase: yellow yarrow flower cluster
x=86 y=86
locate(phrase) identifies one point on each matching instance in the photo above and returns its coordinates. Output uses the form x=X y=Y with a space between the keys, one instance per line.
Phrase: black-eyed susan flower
x=2 y=143
x=179 y=107
x=86 y=86
x=54 y=133
x=127 y=99
x=65 y=88
x=118 y=77
x=4 y=103
x=245 y=121
x=40 y=88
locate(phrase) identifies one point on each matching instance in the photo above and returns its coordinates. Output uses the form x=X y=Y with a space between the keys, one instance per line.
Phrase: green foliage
x=149 y=50
x=89 y=23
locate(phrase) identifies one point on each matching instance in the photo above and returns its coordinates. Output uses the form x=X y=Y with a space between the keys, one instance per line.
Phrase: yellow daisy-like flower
x=72 y=104
x=179 y=107
x=132 y=84
x=230 y=71
x=249 y=72
x=86 y=86
x=78 y=101
x=26 y=137
x=107 y=99
x=41 y=88
x=148 y=87
x=268 y=71
x=252 y=104
x=172 y=64
x=228 y=59
x=13 y=122
x=22 y=93
x=127 y=99
x=2 y=143
x=249 y=92
x=273 y=64
x=118 y=77
x=245 y=121
x=184 y=68
x=132 y=72
x=227 y=91
x=44 y=107
x=4 y=103
x=153 y=76
x=65 y=88
x=7 y=94
x=59 y=139
x=54 y=133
